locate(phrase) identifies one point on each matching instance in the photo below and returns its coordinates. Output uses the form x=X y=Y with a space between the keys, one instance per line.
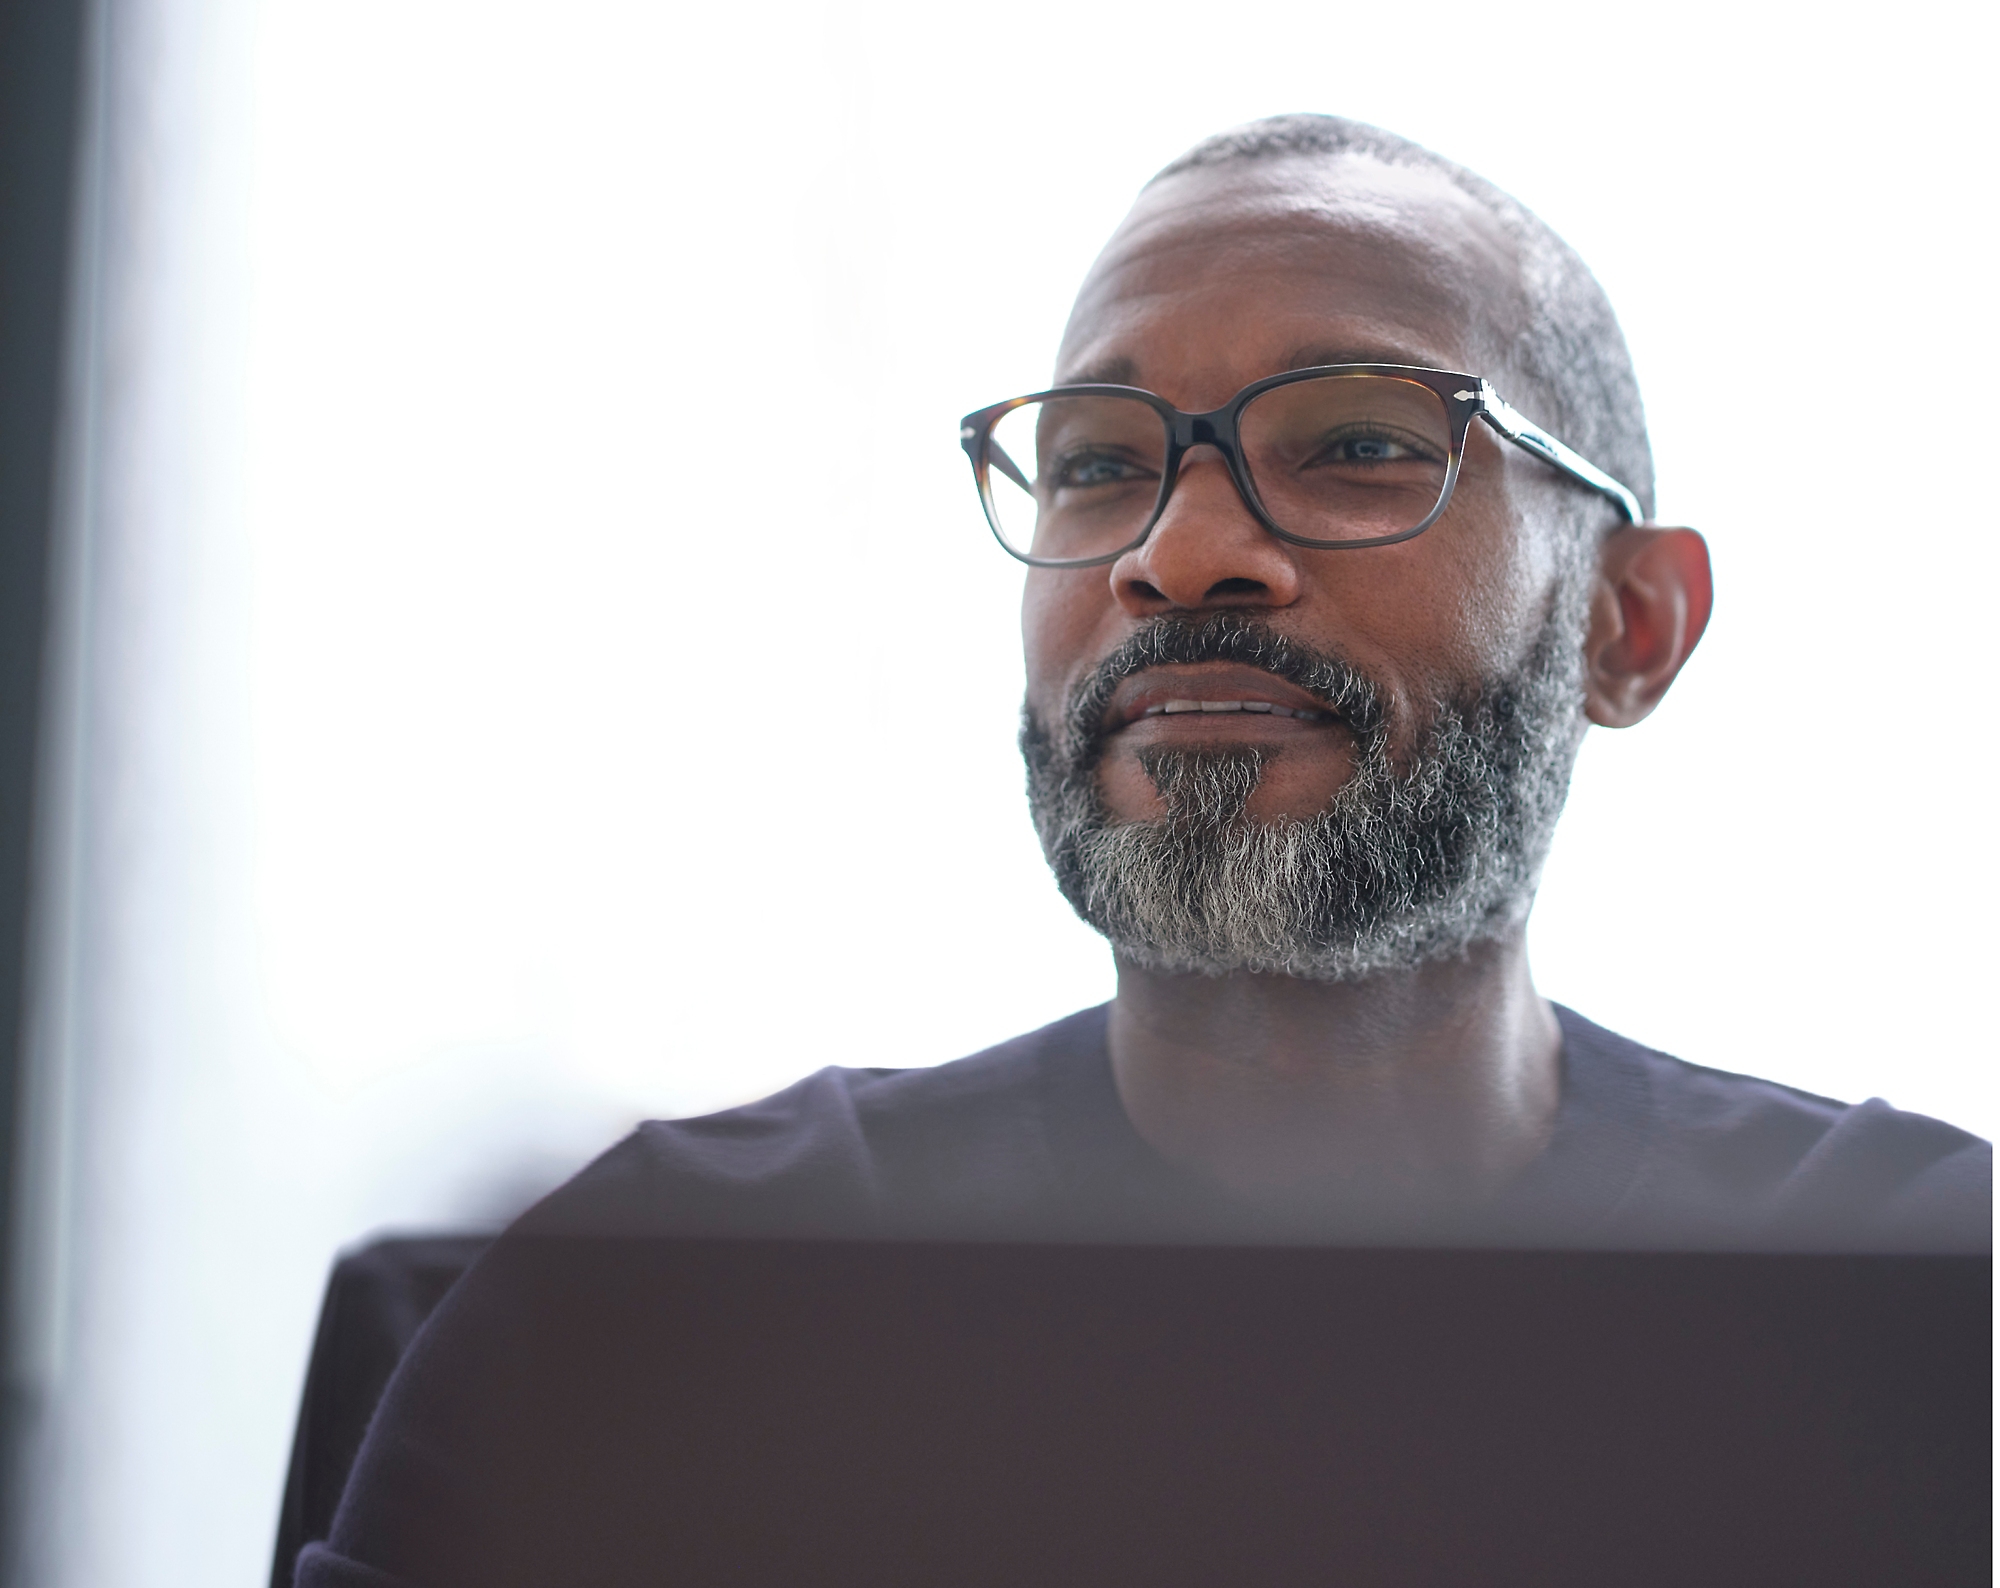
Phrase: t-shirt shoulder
x=1650 y=1150
x=845 y=1151
x=1818 y=1172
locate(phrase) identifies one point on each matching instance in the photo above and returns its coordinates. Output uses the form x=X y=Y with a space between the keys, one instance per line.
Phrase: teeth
x=1174 y=708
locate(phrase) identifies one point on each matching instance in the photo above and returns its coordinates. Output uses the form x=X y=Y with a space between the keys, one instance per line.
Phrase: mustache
x=1182 y=640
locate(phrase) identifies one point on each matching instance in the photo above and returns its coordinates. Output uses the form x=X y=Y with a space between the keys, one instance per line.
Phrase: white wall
x=544 y=665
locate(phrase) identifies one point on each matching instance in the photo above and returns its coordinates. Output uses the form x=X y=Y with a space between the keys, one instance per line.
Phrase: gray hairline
x=1572 y=351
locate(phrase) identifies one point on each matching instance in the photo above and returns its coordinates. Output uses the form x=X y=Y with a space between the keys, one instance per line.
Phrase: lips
x=1212 y=691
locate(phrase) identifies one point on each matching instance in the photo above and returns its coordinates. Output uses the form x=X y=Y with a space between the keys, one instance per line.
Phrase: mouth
x=1213 y=698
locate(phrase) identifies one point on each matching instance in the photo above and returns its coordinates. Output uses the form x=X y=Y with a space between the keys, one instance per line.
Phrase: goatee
x=1406 y=864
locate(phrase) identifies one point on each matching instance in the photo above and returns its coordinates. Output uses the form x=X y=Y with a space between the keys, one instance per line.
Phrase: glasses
x=1337 y=457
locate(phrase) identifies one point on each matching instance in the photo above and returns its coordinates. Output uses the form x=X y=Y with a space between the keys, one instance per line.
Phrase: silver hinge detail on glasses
x=1511 y=424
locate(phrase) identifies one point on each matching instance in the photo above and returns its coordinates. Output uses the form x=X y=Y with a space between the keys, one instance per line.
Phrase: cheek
x=1519 y=581
x=1512 y=559
x=1423 y=618
x=1493 y=601
x=1468 y=597
x=1061 y=613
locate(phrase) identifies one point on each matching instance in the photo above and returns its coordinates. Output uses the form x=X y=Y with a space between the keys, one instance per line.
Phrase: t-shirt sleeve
x=447 y=1452
x=1884 y=1180
x=1742 y=1162
x=795 y=1164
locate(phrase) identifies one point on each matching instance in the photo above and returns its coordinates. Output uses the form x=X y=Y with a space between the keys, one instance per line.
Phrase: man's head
x=1388 y=731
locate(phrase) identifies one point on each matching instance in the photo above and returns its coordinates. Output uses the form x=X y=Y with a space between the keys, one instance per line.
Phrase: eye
x=1369 y=449
x=1373 y=446
x=1080 y=470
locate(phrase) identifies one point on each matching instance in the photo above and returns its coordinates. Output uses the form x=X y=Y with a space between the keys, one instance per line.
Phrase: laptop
x=787 y=1413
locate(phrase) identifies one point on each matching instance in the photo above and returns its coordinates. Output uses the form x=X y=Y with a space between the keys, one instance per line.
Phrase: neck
x=1405 y=1092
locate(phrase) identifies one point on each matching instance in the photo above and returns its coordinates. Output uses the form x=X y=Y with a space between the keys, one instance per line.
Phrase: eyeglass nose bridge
x=1217 y=429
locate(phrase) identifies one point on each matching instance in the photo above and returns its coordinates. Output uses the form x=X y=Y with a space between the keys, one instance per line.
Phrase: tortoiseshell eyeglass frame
x=1465 y=397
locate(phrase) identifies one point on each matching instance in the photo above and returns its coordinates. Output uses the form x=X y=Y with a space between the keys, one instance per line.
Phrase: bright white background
x=537 y=660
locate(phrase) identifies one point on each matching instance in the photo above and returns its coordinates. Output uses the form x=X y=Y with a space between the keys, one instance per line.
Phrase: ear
x=1653 y=595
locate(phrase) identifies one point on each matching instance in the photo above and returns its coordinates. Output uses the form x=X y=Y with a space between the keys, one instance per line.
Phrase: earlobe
x=1654 y=591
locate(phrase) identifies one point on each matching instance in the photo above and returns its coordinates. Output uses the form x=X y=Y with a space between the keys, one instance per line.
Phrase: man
x=1317 y=883
x=1315 y=622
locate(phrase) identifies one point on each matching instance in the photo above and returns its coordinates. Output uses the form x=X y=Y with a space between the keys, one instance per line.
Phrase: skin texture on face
x=1221 y=276
x=1424 y=1086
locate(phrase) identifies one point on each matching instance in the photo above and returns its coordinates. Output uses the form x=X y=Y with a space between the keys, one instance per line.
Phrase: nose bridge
x=1209 y=546
x=1212 y=429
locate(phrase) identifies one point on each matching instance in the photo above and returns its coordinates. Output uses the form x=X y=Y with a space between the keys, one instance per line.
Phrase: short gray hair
x=1571 y=350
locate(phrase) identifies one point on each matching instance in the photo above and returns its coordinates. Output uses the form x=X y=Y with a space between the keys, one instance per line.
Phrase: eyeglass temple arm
x=1534 y=439
x=996 y=456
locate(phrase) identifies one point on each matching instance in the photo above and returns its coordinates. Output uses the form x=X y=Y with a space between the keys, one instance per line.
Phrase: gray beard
x=1403 y=867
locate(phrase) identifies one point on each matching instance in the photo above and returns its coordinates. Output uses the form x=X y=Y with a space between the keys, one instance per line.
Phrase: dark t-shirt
x=1028 y=1141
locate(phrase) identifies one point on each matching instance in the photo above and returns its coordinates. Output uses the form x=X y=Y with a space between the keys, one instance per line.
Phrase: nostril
x=1144 y=591
x=1237 y=587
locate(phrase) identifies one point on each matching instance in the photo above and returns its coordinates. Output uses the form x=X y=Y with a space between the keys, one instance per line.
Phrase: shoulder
x=1796 y=1168
x=844 y=1151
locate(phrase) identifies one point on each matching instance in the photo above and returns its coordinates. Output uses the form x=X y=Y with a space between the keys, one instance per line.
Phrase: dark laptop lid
x=725 y=1412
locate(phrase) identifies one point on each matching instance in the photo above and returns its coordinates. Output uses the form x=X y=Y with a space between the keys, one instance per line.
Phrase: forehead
x=1226 y=273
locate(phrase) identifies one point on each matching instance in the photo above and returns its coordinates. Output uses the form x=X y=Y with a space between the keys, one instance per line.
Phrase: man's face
x=1222 y=276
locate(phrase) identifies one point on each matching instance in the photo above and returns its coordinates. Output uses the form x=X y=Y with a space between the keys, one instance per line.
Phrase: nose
x=1207 y=550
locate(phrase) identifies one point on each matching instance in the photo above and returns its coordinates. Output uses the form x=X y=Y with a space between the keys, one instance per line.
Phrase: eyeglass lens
x=1339 y=458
